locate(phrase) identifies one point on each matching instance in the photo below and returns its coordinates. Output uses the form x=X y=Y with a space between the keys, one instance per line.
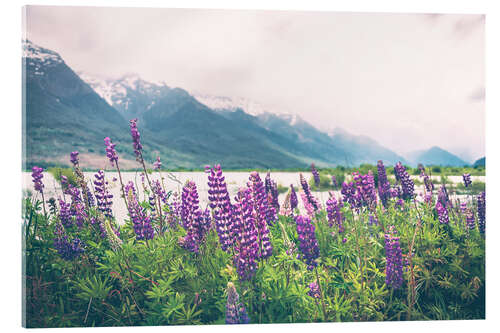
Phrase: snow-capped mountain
x=129 y=93
x=233 y=103
x=37 y=58
x=133 y=95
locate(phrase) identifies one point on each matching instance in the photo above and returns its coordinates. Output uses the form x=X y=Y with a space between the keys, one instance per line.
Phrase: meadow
x=373 y=248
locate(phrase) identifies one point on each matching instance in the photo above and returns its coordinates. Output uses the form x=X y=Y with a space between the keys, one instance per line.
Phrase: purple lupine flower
x=74 y=158
x=428 y=198
x=314 y=290
x=429 y=186
x=384 y=187
x=443 y=197
x=394 y=259
x=334 y=182
x=246 y=245
x=268 y=183
x=235 y=311
x=351 y=195
x=65 y=214
x=481 y=212
x=400 y=204
x=90 y=198
x=80 y=214
x=68 y=250
x=136 y=139
x=285 y=209
x=315 y=174
x=294 y=202
x=470 y=219
x=192 y=218
x=308 y=243
x=275 y=195
x=70 y=190
x=307 y=205
x=206 y=220
x=140 y=219
x=261 y=213
x=334 y=214
x=159 y=191
x=463 y=207
x=102 y=194
x=220 y=203
x=372 y=220
x=152 y=204
x=64 y=183
x=307 y=192
x=403 y=177
x=176 y=208
x=365 y=185
x=467 y=180
x=157 y=164
x=396 y=192
x=37 y=174
x=111 y=151
x=442 y=213
x=272 y=198
x=100 y=225
x=271 y=212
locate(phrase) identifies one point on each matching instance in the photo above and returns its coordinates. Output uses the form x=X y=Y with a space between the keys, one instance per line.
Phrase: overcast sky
x=410 y=81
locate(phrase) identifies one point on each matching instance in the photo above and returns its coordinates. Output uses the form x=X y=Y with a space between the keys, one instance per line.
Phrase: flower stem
x=321 y=293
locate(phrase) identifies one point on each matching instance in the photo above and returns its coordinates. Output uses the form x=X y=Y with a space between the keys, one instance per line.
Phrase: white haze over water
x=410 y=81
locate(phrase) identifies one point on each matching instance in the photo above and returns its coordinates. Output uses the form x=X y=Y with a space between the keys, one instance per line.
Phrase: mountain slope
x=185 y=124
x=481 y=162
x=236 y=132
x=63 y=113
x=365 y=149
x=129 y=94
x=302 y=138
x=435 y=156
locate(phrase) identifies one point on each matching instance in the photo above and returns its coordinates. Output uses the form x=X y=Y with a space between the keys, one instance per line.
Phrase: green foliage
x=68 y=172
x=282 y=189
x=158 y=282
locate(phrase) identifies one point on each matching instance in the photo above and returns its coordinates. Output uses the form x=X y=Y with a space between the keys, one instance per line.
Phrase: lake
x=235 y=180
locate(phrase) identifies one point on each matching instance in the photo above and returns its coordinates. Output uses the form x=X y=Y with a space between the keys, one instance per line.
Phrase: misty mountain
x=480 y=162
x=364 y=149
x=285 y=134
x=303 y=139
x=435 y=156
x=66 y=111
x=62 y=113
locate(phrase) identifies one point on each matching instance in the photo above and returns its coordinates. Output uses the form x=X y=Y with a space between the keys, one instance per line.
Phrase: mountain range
x=435 y=156
x=67 y=111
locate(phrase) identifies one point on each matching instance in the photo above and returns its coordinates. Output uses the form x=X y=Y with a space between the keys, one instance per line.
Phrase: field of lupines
x=377 y=252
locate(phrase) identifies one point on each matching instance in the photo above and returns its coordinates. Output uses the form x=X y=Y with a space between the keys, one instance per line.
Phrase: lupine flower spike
x=315 y=174
x=394 y=259
x=220 y=203
x=235 y=311
x=481 y=212
x=467 y=180
x=384 y=187
x=157 y=164
x=37 y=174
x=308 y=243
x=136 y=139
